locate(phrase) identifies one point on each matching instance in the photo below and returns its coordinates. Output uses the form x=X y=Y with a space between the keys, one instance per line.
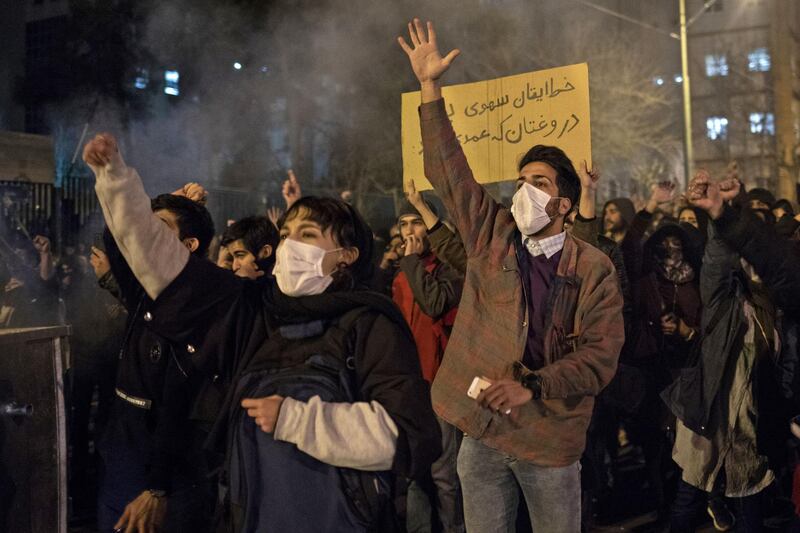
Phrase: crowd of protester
x=488 y=368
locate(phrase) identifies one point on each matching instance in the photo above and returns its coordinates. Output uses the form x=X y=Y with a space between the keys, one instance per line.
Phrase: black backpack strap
x=340 y=333
x=349 y=319
x=367 y=492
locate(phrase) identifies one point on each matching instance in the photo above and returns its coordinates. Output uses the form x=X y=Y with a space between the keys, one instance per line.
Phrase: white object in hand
x=478 y=386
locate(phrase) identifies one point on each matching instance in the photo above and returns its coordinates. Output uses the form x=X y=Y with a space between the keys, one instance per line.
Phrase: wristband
x=533 y=382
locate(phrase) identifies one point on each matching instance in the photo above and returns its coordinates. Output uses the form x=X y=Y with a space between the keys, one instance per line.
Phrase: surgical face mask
x=529 y=208
x=298 y=268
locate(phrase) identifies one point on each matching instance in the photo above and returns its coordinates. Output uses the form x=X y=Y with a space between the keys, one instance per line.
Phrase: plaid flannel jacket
x=584 y=329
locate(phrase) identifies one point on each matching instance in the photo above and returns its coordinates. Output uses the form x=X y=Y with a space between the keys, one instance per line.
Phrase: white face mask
x=298 y=268
x=529 y=208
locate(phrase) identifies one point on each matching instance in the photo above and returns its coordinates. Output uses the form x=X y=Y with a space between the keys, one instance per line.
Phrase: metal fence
x=63 y=213
x=70 y=214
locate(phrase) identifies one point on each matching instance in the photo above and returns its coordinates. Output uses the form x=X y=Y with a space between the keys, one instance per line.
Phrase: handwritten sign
x=498 y=121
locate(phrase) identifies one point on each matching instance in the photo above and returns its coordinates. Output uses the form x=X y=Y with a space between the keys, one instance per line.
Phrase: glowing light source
x=762 y=122
x=759 y=60
x=716 y=128
x=237 y=66
x=142 y=78
x=171 y=82
x=716 y=65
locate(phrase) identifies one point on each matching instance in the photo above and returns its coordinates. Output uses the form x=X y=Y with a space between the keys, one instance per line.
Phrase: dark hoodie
x=660 y=295
x=766 y=197
x=626 y=209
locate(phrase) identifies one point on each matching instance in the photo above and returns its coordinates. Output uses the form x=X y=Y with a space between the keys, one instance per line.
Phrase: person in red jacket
x=427 y=291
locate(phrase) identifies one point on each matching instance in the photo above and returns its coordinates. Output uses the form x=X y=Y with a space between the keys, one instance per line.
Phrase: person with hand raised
x=540 y=322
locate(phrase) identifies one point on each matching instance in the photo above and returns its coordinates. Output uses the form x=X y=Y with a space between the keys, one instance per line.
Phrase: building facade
x=744 y=57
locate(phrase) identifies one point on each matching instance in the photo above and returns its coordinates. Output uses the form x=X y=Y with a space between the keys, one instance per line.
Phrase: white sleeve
x=356 y=435
x=152 y=250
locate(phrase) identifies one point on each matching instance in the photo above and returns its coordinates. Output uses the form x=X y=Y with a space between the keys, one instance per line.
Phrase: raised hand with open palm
x=426 y=60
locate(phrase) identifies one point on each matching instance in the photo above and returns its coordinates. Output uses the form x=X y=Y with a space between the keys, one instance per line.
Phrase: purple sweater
x=538 y=275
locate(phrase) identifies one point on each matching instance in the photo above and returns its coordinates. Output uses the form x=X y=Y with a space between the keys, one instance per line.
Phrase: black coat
x=775 y=258
x=228 y=319
x=153 y=368
x=696 y=394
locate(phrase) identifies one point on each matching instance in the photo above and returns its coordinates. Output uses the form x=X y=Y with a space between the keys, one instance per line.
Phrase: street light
x=687 y=93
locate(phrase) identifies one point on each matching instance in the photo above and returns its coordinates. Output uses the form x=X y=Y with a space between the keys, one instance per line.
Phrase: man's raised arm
x=472 y=209
x=150 y=248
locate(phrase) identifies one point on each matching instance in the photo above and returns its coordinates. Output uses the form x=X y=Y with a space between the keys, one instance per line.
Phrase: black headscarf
x=656 y=256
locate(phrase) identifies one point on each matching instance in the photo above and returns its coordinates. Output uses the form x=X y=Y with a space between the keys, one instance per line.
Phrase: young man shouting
x=251 y=242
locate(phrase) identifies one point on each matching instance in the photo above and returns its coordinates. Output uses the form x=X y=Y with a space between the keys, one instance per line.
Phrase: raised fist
x=42 y=244
x=705 y=194
x=194 y=192
x=99 y=151
x=730 y=188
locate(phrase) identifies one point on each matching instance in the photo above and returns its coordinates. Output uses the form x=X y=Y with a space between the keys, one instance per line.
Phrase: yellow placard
x=498 y=121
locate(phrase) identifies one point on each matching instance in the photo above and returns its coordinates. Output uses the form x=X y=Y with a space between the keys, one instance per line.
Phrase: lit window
x=758 y=60
x=658 y=80
x=171 y=78
x=717 y=128
x=762 y=122
x=142 y=78
x=716 y=65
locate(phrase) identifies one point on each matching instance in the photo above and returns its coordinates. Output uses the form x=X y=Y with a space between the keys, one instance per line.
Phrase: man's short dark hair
x=347 y=226
x=194 y=220
x=567 y=180
x=255 y=232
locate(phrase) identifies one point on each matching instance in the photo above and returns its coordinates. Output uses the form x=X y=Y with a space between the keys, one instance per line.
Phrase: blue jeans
x=190 y=505
x=489 y=481
x=191 y=502
x=441 y=490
